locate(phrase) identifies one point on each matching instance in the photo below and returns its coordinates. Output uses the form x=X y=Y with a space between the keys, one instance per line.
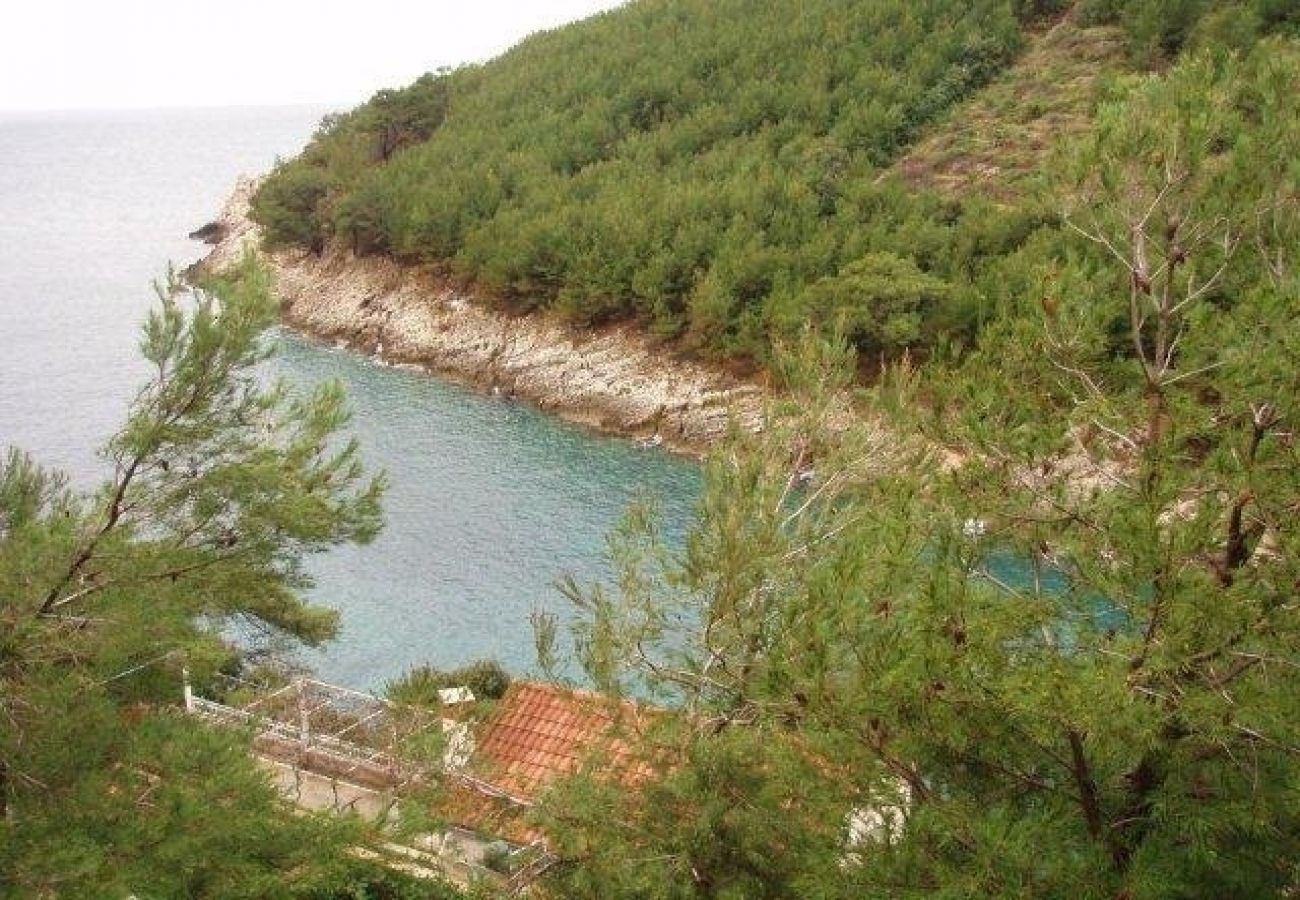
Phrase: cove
x=490 y=503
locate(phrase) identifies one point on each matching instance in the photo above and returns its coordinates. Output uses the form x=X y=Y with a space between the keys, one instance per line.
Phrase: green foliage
x=399 y=119
x=1031 y=10
x=363 y=218
x=288 y=206
x=692 y=164
x=219 y=485
x=719 y=825
x=1161 y=28
x=714 y=169
x=1064 y=667
x=487 y=678
x=358 y=880
x=496 y=857
x=880 y=302
x=166 y=808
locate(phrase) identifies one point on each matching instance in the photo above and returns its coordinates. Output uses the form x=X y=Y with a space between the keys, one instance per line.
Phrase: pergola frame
x=317 y=722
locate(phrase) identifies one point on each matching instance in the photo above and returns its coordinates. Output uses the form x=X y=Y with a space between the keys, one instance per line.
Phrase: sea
x=491 y=502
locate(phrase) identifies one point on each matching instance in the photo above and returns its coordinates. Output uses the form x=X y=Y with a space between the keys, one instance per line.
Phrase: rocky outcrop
x=614 y=379
x=212 y=233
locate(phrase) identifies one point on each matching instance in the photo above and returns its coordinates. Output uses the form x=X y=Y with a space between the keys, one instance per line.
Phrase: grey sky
x=77 y=54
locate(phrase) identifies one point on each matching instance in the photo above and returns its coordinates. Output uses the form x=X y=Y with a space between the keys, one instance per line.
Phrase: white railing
x=347 y=753
x=350 y=757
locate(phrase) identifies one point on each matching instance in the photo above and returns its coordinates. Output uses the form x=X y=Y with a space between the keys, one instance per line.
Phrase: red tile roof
x=540 y=733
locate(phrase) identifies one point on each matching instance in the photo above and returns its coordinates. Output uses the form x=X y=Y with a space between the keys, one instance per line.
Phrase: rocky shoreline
x=613 y=380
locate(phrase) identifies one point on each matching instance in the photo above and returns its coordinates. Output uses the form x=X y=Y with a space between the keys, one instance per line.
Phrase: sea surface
x=490 y=502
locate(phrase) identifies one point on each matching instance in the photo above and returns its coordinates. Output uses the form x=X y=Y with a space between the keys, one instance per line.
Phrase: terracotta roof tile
x=540 y=732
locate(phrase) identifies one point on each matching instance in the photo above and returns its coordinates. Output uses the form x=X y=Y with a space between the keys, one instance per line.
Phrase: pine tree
x=1049 y=649
x=220 y=484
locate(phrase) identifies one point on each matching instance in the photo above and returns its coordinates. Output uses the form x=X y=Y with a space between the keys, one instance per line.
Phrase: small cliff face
x=613 y=380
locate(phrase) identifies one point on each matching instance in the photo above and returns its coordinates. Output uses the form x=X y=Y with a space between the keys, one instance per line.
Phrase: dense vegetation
x=219 y=485
x=709 y=168
x=487 y=679
x=1158 y=28
x=697 y=164
x=1066 y=668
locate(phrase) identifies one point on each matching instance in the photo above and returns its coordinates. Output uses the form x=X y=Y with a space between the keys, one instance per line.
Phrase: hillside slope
x=694 y=164
x=1005 y=134
x=722 y=172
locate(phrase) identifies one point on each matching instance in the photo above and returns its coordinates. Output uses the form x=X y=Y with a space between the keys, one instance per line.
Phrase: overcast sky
x=103 y=54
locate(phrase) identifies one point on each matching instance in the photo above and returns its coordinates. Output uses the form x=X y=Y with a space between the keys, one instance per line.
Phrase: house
x=537 y=735
x=540 y=733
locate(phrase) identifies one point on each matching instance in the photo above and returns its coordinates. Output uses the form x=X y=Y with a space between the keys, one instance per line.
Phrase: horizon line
x=179 y=107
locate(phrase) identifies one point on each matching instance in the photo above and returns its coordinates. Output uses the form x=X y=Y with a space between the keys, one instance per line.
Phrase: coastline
x=613 y=380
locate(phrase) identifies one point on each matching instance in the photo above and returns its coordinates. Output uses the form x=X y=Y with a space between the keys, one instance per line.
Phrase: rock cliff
x=613 y=379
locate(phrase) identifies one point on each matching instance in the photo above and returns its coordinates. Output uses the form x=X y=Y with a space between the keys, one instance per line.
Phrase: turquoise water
x=490 y=502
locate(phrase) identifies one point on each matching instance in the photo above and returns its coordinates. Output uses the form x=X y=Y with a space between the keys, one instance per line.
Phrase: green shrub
x=1032 y=10
x=487 y=678
x=288 y=206
x=496 y=858
x=880 y=303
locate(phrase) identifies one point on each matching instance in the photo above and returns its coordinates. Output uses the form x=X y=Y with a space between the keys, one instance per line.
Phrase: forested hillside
x=723 y=171
x=696 y=163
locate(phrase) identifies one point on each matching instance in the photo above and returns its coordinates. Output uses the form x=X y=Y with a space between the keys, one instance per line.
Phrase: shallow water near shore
x=490 y=501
